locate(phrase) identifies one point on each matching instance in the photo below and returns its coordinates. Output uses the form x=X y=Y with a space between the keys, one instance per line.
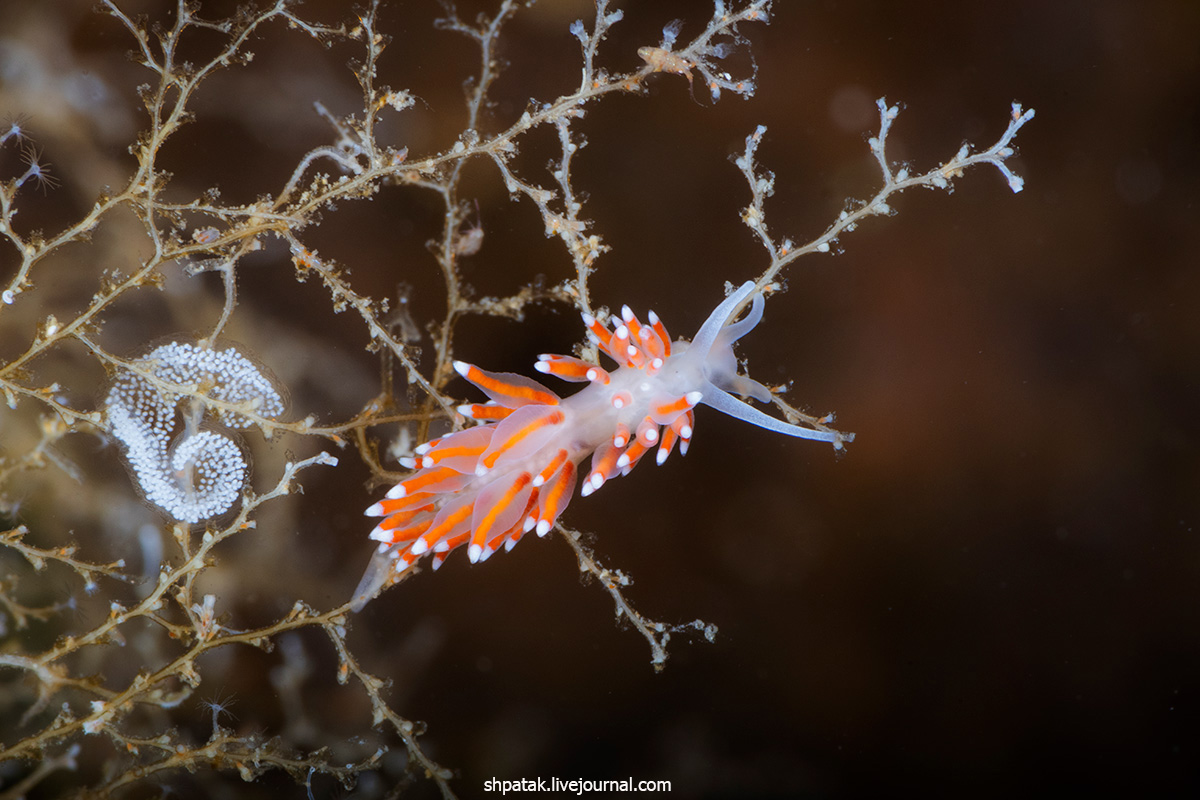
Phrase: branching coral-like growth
x=715 y=44
x=117 y=655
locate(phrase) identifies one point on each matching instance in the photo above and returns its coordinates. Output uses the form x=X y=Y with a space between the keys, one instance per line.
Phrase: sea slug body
x=487 y=486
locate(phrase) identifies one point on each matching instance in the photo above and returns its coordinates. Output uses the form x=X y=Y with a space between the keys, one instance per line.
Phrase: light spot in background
x=852 y=109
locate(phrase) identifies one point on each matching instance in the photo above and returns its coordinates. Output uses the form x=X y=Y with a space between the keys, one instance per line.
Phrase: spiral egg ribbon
x=195 y=474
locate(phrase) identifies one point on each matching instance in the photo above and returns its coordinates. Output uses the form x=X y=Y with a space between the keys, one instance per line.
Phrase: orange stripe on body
x=667 y=443
x=427 y=477
x=661 y=330
x=650 y=343
x=490 y=382
x=487 y=411
x=687 y=420
x=607 y=464
x=453 y=542
x=411 y=532
x=404 y=517
x=549 y=419
x=552 y=467
x=480 y=533
x=554 y=495
x=392 y=505
x=603 y=336
x=678 y=406
x=568 y=368
x=431 y=537
x=517 y=529
x=634 y=454
x=454 y=452
x=621 y=344
x=633 y=323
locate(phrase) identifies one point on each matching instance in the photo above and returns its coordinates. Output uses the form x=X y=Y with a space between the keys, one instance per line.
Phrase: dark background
x=994 y=590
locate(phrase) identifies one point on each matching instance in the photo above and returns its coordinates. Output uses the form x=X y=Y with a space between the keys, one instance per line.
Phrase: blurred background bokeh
x=995 y=589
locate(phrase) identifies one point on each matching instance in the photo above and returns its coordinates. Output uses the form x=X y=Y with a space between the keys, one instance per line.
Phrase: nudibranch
x=487 y=486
